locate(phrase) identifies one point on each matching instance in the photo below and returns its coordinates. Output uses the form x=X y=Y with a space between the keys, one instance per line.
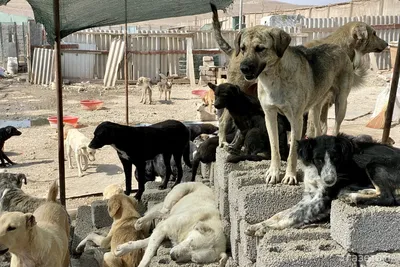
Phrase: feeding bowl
x=199 y=92
x=72 y=120
x=91 y=104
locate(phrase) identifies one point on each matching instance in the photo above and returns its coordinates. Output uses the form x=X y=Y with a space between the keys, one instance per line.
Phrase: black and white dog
x=136 y=145
x=5 y=134
x=331 y=164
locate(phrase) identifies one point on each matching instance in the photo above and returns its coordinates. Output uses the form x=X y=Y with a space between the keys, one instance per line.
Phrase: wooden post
x=2 y=45
x=58 y=82
x=392 y=98
x=126 y=65
x=16 y=44
x=189 y=61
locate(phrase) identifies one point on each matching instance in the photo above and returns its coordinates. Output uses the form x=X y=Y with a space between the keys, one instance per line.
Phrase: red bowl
x=66 y=119
x=199 y=92
x=91 y=104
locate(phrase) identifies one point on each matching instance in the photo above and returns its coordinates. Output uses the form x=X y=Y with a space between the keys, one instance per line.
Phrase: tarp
x=77 y=15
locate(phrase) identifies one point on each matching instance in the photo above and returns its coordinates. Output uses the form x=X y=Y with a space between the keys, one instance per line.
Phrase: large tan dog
x=356 y=39
x=38 y=239
x=123 y=210
x=145 y=84
x=291 y=81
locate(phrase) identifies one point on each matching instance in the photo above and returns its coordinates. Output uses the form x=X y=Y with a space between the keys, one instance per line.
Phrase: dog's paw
x=79 y=249
x=139 y=224
x=272 y=176
x=348 y=198
x=289 y=179
x=256 y=230
x=123 y=249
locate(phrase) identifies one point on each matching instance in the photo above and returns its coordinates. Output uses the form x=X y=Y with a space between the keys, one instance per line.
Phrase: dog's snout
x=246 y=68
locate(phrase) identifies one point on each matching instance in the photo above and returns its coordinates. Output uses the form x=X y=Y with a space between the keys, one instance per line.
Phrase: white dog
x=191 y=221
x=78 y=143
x=203 y=114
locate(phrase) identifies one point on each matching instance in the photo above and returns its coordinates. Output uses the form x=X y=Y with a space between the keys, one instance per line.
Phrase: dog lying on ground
x=136 y=145
x=38 y=239
x=247 y=114
x=123 y=210
x=145 y=85
x=203 y=114
x=165 y=86
x=331 y=164
x=191 y=221
x=356 y=39
x=201 y=128
x=78 y=143
x=5 y=134
x=112 y=189
x=293 y=80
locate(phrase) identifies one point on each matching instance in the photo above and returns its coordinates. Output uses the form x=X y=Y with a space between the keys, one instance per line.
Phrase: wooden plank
x=16 y=43
x=189 y=61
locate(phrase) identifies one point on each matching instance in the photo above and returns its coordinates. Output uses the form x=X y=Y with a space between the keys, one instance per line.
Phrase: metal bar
x=240 y=14
x=58 y=83
x=392 y=97
x=126 y=64
x=136 y=52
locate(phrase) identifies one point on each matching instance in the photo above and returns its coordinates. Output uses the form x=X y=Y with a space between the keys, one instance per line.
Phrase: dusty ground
x=35 y=150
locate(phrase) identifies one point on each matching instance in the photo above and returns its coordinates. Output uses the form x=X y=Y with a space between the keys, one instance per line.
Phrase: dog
x=191 y=221
x=145 y=85
x=200 y=128
x=38 y=239
x=206 y=153
x=208 y=100
x=331 y=166
x=136 y=145
x=112 y=189
x=293 y=80
x=78 y=143
x=203 y=114
x=124 y=212
x=247 y=114
x=356 y=39
x=11 y=180
x=165 y=86
x=5 y=134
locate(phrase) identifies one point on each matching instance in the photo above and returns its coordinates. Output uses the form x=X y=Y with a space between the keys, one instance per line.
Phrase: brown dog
x=38 y=239
x=209 y=99
x=123 y=210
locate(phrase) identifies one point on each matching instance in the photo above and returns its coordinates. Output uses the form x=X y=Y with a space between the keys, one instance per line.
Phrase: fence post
x=189 y=61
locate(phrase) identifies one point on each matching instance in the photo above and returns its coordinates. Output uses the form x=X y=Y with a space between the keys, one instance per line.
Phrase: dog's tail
x=53 y=192
x=186 y=155
x=223 y=44
x=360 y=71
x=238 y=158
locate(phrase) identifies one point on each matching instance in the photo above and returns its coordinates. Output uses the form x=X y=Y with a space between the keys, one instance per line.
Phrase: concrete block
x=243 y=260
x=260 y=202
x=291 y=234
x=248 y=244
x=316 y=253
x=155 y=195
x=231 y=263
x=73 y=263
x=100 y=216
x=205 y=170
x=5 y=259
x=83 y=225
x=223 y=204
x=365 y=230
x=382 y=260
x=212 y=173
x=88 y=259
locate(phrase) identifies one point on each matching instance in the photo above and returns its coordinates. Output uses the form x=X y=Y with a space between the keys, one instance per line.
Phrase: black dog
x=136 y=145
x=5 y=134
x=247 y=114
x=201 y=128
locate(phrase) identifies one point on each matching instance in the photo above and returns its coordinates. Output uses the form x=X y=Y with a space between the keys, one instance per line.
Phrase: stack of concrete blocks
x=208 y=71
x=372 y=233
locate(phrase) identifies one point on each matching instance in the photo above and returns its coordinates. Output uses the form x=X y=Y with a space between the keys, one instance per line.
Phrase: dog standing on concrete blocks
x=292 y=81
x=78 y=143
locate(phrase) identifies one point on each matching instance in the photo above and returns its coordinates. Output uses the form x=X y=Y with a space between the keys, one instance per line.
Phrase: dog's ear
x=203 y=228
x=237 y=42
x=9 y=129
x=305 y=149
x=360 y=32
x=114 y=204
x=30 y=220
x=212 y=86
x=281 y=40
x=21 y=178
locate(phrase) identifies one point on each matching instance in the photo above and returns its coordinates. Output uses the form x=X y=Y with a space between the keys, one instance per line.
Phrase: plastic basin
x=199 y=92
x=66 y=119
x=91 y=104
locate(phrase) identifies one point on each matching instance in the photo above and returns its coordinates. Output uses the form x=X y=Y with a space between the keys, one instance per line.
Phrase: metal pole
x=392 y=97
x=240 y=14
x=58 y=83
x=126 y=64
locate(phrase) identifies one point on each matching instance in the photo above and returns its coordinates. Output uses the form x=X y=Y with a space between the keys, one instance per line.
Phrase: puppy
x=201 y=128
x=112 y=189
x=123 y=210
x=5 y=134
x=208 y=100
x=136 y=145
x=78 y=143
x=191 y=221
x=145 y=85
x=11 y=180
x=203 y=114
x=38 y=239
x=331 y=164
x=247 y=114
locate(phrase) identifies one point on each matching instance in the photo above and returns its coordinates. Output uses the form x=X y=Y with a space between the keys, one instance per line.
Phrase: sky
x=314 y=2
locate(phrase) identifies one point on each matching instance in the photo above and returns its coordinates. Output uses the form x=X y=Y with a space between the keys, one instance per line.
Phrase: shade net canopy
x=77 y=15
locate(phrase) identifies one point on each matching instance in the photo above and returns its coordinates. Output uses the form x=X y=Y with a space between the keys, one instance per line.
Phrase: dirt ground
x=35 y=150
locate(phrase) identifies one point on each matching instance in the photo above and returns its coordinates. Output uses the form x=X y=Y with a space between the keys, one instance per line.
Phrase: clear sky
x=314 y=2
